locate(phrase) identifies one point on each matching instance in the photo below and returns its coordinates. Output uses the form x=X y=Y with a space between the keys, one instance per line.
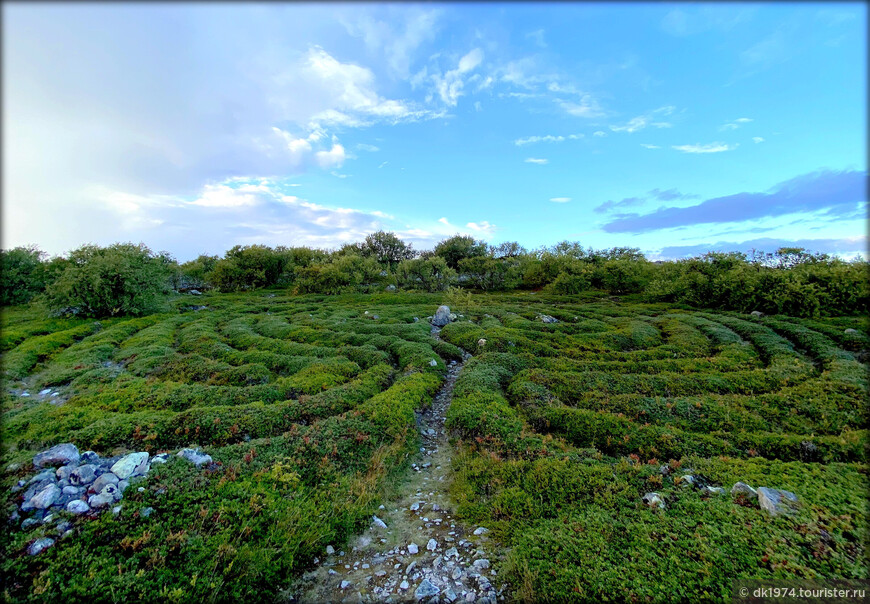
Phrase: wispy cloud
x=560 y=199
x=450 y=86
x=648 y=146
x=549 y=138
x=482 y=227
x=536 y=160
x=670 y=195
x=735 y=124
x=823 y=190
x=757 y=139
x=708 y=148
x=366 y=147
x=642 y=121
x=628 y=202
x=599 y=133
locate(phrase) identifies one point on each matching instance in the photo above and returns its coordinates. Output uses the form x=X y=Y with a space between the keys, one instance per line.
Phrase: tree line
x=130 y=279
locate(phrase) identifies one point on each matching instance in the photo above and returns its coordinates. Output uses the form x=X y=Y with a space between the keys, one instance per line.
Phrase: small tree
x=459 y=247
x=120 y=279
x=387 y=249
x=22 y=274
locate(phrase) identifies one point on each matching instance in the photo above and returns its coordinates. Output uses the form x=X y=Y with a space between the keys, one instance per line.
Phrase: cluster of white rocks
x=773 y=501
x=82 y=484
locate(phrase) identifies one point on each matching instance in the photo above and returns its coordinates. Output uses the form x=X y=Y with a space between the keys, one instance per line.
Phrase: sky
x=674 y=128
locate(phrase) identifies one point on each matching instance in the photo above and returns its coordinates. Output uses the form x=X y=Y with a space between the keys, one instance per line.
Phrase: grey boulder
x=58 y=455
x=426 y=590
x=44 y=499
x=78 y=507
x=100 y=483
x=83 y=475
x=776 y=501
x=442 y=316
x=744 y=490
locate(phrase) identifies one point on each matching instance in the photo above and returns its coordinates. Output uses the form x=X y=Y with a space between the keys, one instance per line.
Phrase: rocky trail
x=415 y=549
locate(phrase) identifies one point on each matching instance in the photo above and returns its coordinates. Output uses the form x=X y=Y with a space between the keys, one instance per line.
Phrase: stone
x=549 y=319
x=83 y=475
x=44 y=499
x=122 y=485
x=451 y=553
x=64 y=527
x=426 y=590
x=63 y=472
x=71 y=490
x=756 y=313
x=100 y=483
x=743 y=489
x=330 y=550
x=390 y=288
x=39 y=546
x=28 y=522
x=433 y=363
x=346 y=584
x=432 y=545
x=450 y=595
x=134 y=464
x=381 y=573
x=410 y=567
x=442 y=316
x=163 y=457
x=470 y=596
x=481 y=530
x=78 y=507
x=776 y=501
x=415 y=506
x=45 y=476
x=378 y=522
x=481 y=564
x=58 y=455
x=363 y=541
x=194 y=456
x=456 y=574
x=146 y=512
x=436 y=563
x=89 y=457
x=108 y=495
x=850 y=331
x=195 y=292
x=715 y=490
x=653 y=500
x=404 y=585
x=413 y=549
x=116 y=510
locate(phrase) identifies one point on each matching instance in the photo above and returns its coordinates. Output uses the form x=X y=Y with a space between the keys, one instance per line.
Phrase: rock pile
x=81 y=484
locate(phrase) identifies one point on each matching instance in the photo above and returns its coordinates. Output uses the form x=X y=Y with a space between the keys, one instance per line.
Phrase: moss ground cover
x=307 y=405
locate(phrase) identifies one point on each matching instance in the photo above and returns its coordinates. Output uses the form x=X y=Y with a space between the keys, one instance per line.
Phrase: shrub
x=122 y=279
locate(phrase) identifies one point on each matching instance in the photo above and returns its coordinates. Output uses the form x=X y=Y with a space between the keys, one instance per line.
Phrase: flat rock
x=58 y=455
x=194 y=456
x=426 y=590
x=134 y=464
x=776 y=501
x=741 y=488
x=39 y=546
x=480 y=530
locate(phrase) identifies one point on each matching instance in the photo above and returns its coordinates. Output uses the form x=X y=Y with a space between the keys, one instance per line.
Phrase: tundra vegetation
x=597 y=377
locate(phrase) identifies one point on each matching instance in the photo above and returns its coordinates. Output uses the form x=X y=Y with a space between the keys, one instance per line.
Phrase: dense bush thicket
x=789 y=281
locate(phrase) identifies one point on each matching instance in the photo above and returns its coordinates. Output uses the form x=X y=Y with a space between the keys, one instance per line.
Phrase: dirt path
x=415 y=550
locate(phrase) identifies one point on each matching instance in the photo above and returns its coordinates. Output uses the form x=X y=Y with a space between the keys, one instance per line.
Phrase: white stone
x=432 y=545
x=480 y=530
x=413 y=549
x=134 y=464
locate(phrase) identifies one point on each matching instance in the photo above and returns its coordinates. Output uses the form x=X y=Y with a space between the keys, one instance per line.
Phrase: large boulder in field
x=59 y=455
x=442 y=316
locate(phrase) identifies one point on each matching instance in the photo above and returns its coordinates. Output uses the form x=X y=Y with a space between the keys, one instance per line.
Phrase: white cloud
x=648 y=146
x=587 y=107
x=560 y=199
x=482 y=227
x=332 y=158
x=757 y=139
x=383 y=164
x=223 y=196
x=735 y=124
x=537 y=37
x=536 y=160
x=477 y=106
x=599 y=133
x=708 y=148
x=642 y=121
x=549 y=138
x=367 y=147
x=450 y=85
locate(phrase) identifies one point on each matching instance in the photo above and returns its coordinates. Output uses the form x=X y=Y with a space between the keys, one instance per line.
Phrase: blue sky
x=675 y=128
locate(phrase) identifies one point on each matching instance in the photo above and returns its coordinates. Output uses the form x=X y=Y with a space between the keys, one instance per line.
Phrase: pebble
x=346 y=584
x=413 y=549
x=39 y=546
x=432 y=545
x=404 y=585
x=378 y=522
x=480 y=530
